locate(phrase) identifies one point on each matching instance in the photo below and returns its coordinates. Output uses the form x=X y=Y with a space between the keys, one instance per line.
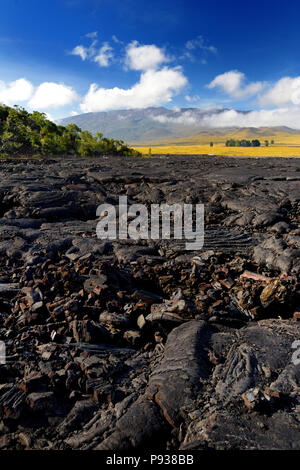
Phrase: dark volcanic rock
x=141 y=344
x=177 y=379
x=257 y=363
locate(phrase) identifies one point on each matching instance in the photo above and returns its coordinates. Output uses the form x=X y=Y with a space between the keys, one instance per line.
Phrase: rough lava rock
x=142 y=344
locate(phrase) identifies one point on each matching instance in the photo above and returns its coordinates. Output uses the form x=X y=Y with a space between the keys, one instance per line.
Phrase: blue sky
x=65 y=57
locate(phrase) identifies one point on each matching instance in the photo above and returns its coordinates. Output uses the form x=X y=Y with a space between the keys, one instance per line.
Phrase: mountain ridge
x=158 y=125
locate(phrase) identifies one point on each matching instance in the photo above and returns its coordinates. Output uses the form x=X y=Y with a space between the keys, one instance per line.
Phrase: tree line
x=29 y=134
x=246 y=143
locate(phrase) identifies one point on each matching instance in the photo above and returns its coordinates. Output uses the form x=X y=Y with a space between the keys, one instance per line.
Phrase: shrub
x=23 y=133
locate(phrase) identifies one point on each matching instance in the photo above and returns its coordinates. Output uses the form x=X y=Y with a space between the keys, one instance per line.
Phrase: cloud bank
x=186 y=119
x=154 y=88
x=230 y=118
x=262 y=118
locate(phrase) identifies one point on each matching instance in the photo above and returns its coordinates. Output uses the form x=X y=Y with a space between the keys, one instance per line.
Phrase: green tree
x=30 y=134
x=231 y=143
x=244 y=143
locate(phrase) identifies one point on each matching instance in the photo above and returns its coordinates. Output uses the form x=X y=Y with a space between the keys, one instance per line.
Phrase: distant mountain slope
x=142 y=125
x=162 y=125
x=280 y=135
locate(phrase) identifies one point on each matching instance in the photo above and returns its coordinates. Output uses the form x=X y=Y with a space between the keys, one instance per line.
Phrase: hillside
x=177 y=127
x=281 y=135
x=136 y=125
x=142 y=125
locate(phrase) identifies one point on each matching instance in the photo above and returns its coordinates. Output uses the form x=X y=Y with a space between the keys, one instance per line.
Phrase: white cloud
x=92 y=35
x=285 y=91
x=18 y=91
x=192 y=99
x=154 y=88
x=81 y=51
x=233 y=83
x=105 y=55
x=194 y=46
x=50 y=117
x=116 y=40
x=86 y=52
x=219 y=118
x=102 y=58
x=144 y=57
x=46 y=95
x=52 y=95
x=289 y=116
x=186 y=118
x=199 y=43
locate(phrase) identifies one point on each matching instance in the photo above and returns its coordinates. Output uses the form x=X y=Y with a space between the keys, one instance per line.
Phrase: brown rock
x=41 y=402
x=88 y=331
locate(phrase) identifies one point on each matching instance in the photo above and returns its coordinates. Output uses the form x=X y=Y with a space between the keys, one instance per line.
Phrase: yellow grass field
x=287 y=143
x=220 y=149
